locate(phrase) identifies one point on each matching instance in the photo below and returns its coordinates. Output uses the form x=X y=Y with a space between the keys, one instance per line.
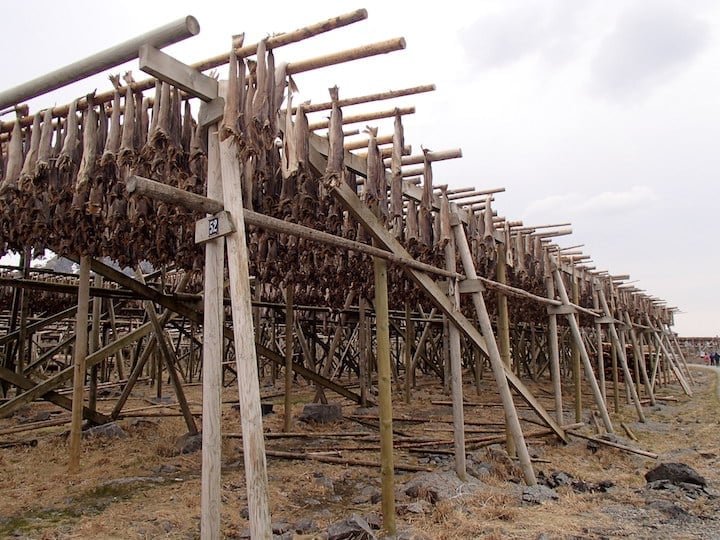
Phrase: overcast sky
x=602 y=113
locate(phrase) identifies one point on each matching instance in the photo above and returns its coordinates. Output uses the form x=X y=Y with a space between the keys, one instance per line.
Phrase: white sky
x=601 y=113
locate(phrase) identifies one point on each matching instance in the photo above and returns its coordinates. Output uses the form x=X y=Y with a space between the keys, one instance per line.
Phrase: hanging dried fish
x=336 y=153
x=112 y=143
x=46 y=150
x=28 y=170
x=260 y=99
x=232 y=100
x=188 y=126
x=66 y=159
x=425 y=218
x=88 y=163
x=15 y=160
x=127 y=145
x=396 y=190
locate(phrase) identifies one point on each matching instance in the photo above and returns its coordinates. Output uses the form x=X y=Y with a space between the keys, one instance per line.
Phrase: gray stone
x=669 y=509
x=438 y=486
x=188 y=444
x=321 y=413
x=538 y=494
x=676 y=473
x=353 y=528
x=105 y=431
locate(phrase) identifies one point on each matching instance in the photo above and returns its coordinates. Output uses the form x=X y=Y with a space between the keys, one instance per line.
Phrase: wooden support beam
x=340 y=57
x=101 y=61
x=245 y=354
x=364 y=117
x=80 y=354
x=391 y=94
x=166 y=68
x=352 y=203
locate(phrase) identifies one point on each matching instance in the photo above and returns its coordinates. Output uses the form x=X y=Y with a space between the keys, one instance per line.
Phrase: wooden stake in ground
x=289 y=325
x=213 y=322
x=554 y=351
x=382 y=329
x=511 y=417
x=503 y=326
x=81 y=344
x=247 y=372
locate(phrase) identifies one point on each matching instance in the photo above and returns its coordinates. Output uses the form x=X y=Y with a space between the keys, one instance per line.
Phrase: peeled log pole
x=382 y=329
x=81 y=345
x=246 y=360
x=102 y=61
x=364 y=51
x=575 y=328
x=511 y=417
x=213 y=340
x=621 y=356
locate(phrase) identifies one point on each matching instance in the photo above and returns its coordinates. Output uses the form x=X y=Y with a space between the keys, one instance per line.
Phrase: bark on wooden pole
x=382 y=332
x=213 y=340
x=81 y=344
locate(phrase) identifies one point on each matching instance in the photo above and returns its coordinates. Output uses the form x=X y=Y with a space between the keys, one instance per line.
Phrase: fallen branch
x=613 y=444
x=627 y=430
x=342 y=461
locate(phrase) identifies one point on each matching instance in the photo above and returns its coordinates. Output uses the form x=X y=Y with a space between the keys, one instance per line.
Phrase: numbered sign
x=213 y=227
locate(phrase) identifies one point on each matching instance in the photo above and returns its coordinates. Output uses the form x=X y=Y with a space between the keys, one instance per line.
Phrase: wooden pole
x=599 y=345
x=94 y=344
x=364 y=51
x=363 y=345
x=245 y=355
x=511 y=417
x=456 y=364
x=503 y=327
x=81 y=345
x=289 y=333
x=213 y=341
x=577 y=343
x=574 y=328
x=640 y=358
x=621 y=355
x=101 y=61
x=382 y=330
x=409 y=339
x=554 y=354
x=616 y=377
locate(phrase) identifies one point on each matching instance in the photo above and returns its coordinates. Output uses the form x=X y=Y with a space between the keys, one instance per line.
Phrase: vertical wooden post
x=245 y=354
x=363 y=364
x=616 y=377
x=120 y=356
x=81 y=345
x=456 y=365
x=554 y=354
x=94 y=344
x=575 y=329
x=409 y=338
x=503 y=328
x=213 y=341
x=576 y=345
x=640 y=358
x=600 y=353
x=446 y=355
x=382 y=330
x=511 y=417
x=621 y=355
x=289 y=333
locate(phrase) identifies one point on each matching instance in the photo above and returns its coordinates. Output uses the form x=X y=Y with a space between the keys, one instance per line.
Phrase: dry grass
x=41 y=500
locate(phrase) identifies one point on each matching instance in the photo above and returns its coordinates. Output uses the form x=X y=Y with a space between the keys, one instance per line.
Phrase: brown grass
x=41 y=500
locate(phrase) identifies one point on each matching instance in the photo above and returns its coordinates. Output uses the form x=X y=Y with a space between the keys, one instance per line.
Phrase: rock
x=305 y=526
x=321 y=413
x=420 y=507
x=676 y=473
x=439 y=486
x=353 y=528
x=538 y=494
x=188 y=444
x=669 y=509
x=106 y=431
